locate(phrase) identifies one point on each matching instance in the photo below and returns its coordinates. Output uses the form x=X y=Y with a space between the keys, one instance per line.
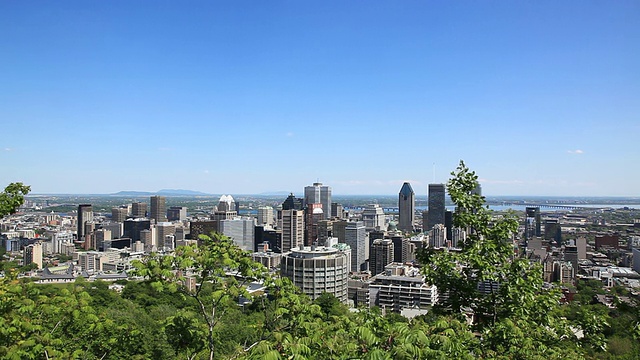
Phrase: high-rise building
x=119 y=214
x=318 y=269
x=293 y=203
x=101 y=235
x=356 y=238
x=139 y=210
x=532 y=226
x=226 y=208
x=337 y=210
x=313 y=214
x=382 y=253
x=437 y=236
x=436 y=213
x=240 y=230
x=85 y=214
x=33 y=254
x=263 y=234
x=265 y=216
x=406 y=208
x=319 y=194
x=163 y=230
x=158 y=211
x=373 y=217
x=292 y=229
x=132 y=228
x=177 y=213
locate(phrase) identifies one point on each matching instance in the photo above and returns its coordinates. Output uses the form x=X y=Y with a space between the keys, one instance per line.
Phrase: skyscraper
x=532 y=225
x=158 y=210
x=381 y=255
x=226 y=208
x=119 y=214
x=319 y=194
x=85 y=213
x=436 y=205
x=406 y=207
x=292 y=229
x=177 y=213
x=356 y=238
x=139 y=210
x=373 y=217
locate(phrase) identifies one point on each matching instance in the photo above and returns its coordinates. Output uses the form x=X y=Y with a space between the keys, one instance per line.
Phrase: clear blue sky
x=538 y=97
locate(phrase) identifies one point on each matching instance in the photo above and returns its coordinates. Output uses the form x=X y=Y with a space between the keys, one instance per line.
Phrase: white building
x=316 y=270
x=240 y=229
x=373 y=218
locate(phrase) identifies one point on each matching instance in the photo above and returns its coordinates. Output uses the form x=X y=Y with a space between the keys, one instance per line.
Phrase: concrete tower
x=158 y=210
x=319 y=194
x=406 y=207
x=85 y=214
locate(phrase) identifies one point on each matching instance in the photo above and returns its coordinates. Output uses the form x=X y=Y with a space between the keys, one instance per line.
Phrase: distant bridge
x=552 y=206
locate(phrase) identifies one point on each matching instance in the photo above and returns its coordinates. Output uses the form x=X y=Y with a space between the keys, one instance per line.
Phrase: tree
x=12 y=197
x=218 y=270
x=503 y=291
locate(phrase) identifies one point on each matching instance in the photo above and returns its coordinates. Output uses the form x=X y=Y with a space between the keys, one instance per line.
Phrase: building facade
x=316 y=270
x=406 y=208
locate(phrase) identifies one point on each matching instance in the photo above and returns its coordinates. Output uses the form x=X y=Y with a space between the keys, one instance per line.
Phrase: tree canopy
x=12 y=197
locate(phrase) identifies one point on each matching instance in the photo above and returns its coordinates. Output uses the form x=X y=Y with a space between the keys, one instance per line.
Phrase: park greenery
x=194 y=304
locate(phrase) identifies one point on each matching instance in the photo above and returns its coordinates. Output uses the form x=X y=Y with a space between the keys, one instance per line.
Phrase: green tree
x=12 y=197
x=504 y=292
x=217 y=268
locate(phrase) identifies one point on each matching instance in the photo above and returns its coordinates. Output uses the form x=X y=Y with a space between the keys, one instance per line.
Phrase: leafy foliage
x=12 y=197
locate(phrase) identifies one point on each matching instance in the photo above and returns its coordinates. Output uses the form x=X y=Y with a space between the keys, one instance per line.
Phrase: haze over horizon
x=540 y=99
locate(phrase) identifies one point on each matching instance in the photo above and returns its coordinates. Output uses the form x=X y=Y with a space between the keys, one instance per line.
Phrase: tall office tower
x=85 y=214
x=132 y=228
x=116 y=228
x=316 y=270
x=337 y=211
x=319 y=194
x=119 y=214
x=325 y=230
x=33 y=254
x=313 y=214
x=158 y=210
x=241 y=230
x=265 y=216
x=401 y=249
x=339 y=230
x=382 y=251
x=458 y=236
x=292 y=229
x=263 y=234
x=373 y=217
x=293 y=203
x=139 y=210
x=356 y=237
x=436 y=205
x=177 y=213
x=406 y=208
x=532 y=226
x=448 y=223
x=102 y=235
x=437 y=236
x=163 y=230
x=226 y=208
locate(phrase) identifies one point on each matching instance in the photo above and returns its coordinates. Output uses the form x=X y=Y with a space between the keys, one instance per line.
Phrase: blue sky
x=539 y=98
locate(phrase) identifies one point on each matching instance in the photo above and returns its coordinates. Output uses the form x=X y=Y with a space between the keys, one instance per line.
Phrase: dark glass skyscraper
x=406 y=207
x=436 y=205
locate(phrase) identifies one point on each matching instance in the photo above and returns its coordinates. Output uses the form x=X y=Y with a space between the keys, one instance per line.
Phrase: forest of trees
x=159 y=317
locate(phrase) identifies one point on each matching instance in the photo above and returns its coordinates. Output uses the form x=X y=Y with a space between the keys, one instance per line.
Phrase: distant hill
x=163 y=192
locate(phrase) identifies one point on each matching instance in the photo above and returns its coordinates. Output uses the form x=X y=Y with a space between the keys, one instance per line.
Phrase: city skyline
x=536 y=98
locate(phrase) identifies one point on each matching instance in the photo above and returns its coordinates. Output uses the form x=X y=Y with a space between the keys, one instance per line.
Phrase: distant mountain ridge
x=163 y=192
